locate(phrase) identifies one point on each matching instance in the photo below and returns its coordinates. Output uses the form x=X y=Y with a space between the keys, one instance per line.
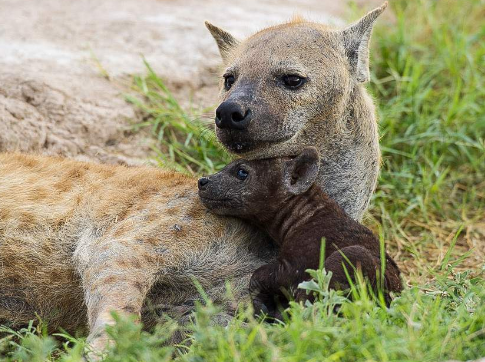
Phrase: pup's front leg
x=273 y=285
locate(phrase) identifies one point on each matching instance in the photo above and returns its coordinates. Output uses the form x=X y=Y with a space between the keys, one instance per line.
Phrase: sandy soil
x=53 y=98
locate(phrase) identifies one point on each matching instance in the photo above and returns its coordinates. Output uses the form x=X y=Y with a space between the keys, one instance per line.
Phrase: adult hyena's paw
x=96 y=344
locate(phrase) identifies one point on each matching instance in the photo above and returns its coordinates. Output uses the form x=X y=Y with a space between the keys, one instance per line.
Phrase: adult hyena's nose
x=203 y=182
x=233 y=116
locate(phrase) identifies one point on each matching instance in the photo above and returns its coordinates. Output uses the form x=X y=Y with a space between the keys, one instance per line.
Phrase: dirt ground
x=53 y=96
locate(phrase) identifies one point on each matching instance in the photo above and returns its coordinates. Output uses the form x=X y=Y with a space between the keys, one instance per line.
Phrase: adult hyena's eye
x=292 y=81
x=242 y=174
x=228 y=81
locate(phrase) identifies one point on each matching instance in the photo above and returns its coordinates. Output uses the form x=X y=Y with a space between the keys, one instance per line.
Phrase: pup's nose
x=203 y=182
x=232 y=115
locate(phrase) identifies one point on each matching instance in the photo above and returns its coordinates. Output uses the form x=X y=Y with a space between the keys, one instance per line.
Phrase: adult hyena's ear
x=301 y=172
x=225 y=41
x=356 y=41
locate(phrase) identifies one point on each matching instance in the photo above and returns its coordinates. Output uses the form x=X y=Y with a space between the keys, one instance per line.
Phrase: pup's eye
x=242 y=174
x=293 y=81
x=228 y=81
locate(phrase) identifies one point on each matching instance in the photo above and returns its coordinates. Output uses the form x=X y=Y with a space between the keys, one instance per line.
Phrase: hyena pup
x=280 y=196
x=301 y=84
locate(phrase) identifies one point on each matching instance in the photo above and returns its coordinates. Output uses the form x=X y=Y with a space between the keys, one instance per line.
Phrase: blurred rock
x=54 y=95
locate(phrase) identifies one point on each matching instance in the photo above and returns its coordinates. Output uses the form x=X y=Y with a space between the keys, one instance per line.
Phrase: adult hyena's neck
x=349 y=181
x=350 y=163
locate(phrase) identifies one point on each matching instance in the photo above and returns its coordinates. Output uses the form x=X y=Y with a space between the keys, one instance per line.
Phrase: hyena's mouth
x=239 y=147
x=212 y=199
x=216 y=204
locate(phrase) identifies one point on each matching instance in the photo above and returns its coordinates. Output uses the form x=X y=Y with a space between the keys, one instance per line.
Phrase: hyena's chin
x=243 y=143
x=215 y=204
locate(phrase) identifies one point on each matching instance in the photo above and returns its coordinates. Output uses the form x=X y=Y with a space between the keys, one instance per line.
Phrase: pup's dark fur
x=279 y=195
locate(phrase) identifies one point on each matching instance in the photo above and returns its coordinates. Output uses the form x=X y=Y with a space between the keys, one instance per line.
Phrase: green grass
x=445 y=322
x=428 y=81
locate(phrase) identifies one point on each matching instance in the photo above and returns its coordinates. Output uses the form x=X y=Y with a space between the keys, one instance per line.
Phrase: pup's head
x=287 y=81
x=250 y=188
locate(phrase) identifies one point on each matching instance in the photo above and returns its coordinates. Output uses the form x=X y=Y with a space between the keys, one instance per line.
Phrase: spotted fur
x=80 y=240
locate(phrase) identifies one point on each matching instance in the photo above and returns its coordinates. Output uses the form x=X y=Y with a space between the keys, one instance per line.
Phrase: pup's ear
x=225 y=41
x=356 y=41
x=302 y=171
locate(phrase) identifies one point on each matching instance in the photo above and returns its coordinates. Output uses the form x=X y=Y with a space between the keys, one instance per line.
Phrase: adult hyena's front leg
x=111 y=292
x=116 y=277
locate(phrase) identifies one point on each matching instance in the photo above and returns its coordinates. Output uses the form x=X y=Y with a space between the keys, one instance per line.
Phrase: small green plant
x=27 y=344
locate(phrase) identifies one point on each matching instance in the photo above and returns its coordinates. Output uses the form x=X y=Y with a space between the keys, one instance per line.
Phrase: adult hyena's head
x=289 y=83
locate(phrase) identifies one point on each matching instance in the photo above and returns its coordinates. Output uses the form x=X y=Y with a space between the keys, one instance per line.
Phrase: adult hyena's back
x=38 y=230
x=51 y=205
x=37 y=276
x=60 y=217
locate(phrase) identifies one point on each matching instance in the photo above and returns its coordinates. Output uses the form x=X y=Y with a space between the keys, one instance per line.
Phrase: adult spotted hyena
x=79 y=240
